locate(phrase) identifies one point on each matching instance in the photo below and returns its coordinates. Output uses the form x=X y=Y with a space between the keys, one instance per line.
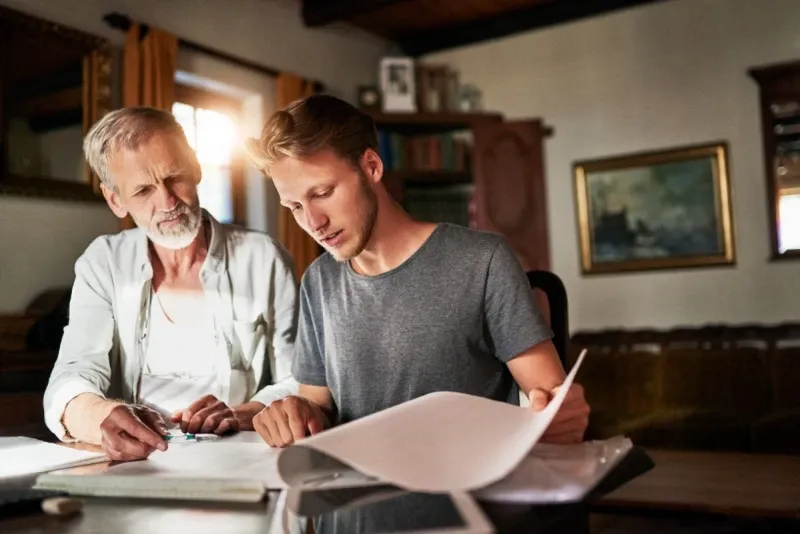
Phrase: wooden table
x=134 y=516
x=144 y=516
x=128 y=516
x=759 y=486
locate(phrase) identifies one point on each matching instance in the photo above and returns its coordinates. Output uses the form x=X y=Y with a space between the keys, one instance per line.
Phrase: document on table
x=23 y=456
x=559 y=473
x=237 y=468
x=440 y=442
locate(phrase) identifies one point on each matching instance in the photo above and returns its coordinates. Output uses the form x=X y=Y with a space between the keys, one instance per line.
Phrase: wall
x=662 y=75
x=269 y=32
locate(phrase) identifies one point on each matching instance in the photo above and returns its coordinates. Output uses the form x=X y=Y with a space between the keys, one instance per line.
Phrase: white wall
x=656 y=76
x=40 y=239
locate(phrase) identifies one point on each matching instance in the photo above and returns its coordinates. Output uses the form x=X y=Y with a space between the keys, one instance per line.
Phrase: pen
x=205 y=437
x=192 y=437
x=185 y=436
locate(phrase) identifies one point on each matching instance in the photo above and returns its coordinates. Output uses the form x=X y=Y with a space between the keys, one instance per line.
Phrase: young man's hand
x=287 y=420
x=571 y=419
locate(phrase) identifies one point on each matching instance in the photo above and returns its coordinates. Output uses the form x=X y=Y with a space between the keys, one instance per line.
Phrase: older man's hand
x=207 y=415
x=571 y=420
x=132 y=432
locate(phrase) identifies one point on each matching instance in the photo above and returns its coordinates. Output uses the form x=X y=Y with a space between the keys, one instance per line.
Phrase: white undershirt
x=180 y=361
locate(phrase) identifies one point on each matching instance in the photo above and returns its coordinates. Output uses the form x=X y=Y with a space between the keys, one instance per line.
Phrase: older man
x=182 y=321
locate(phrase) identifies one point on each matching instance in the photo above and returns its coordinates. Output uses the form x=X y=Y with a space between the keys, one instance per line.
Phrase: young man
x=396 y=308
x=182 y=320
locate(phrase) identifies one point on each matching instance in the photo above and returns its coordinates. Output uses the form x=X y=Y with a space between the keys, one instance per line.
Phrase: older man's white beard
x=180 y=237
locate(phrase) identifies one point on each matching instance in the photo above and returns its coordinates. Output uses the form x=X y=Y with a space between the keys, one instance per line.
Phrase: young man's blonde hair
x=311 y=124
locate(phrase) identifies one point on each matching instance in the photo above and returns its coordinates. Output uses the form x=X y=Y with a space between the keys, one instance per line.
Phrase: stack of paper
x=27 y=456
x=558 y=473
x=237 y=468
x=440 y=442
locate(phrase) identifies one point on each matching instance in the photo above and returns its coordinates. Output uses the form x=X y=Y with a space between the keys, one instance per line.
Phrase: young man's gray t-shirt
x=446 y=319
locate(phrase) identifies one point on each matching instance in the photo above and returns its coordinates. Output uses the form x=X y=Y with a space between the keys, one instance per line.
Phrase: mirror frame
x=777 y=83
x=96 y=103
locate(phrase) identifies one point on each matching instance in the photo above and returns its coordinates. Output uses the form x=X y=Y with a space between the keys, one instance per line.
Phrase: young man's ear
x=112 y=199
x=372 y=165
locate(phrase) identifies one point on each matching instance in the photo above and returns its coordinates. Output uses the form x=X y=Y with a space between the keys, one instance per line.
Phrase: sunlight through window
x=789 y=216
x=213 y=136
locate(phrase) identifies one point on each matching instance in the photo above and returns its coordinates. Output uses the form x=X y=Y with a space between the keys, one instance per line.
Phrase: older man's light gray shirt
x=249 y=282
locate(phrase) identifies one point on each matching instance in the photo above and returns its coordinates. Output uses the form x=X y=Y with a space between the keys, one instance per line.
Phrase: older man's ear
x=112 y=199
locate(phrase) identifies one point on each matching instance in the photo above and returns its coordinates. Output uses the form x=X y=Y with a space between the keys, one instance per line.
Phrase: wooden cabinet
x=510 y=188
x=475 y=169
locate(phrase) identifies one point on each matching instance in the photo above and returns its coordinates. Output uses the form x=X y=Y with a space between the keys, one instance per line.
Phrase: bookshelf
x=428 y=122
x=779 y=94
x=430 y=177
x=475 y=169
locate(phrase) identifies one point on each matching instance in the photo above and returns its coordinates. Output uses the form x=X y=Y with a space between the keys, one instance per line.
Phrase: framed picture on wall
x=655 y=210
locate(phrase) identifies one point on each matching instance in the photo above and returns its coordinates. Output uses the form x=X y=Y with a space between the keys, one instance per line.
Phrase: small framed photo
x=398 y=85
x=369 y=97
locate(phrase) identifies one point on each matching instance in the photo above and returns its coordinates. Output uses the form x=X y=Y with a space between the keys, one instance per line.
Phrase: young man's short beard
x=370 y=206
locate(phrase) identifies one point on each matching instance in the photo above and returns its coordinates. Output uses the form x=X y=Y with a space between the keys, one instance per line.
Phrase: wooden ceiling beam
x=537 y=16
x=321 y=12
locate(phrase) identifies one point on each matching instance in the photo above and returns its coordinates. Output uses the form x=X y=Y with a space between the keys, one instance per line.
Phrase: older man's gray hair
x=125 y=129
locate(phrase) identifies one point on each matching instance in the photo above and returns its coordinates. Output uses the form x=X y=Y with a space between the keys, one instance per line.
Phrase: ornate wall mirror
x=54 y=84
x=779 y=90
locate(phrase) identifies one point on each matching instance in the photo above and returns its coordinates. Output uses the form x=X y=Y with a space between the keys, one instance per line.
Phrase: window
x=209 y=120
x=789 y=220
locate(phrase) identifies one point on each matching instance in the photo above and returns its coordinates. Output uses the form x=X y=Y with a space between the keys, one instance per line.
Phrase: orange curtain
x=149 y=65
x=300 y=245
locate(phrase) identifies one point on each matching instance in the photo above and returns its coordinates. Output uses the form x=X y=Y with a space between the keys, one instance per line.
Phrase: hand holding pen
x=132 y=432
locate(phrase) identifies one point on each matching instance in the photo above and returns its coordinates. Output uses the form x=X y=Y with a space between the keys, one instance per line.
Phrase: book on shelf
x=445 y=151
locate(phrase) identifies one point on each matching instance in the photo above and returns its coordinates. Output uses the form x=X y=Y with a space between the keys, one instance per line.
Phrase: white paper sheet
x=222 y=459
x=238 y=468
x=440 y=442
x=558 y=473
x=21 y=456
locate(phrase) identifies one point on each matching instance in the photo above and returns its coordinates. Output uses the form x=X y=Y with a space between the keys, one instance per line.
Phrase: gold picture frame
x=660 y=209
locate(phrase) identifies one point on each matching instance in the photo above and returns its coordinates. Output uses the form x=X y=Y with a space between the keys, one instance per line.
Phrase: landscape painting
x=655 y=210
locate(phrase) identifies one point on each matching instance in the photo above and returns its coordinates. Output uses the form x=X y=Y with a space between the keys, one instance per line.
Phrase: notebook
x=238 y=468
x=27 y=456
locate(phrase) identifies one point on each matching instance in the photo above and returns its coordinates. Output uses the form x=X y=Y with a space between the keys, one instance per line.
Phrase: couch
x=715 y=387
